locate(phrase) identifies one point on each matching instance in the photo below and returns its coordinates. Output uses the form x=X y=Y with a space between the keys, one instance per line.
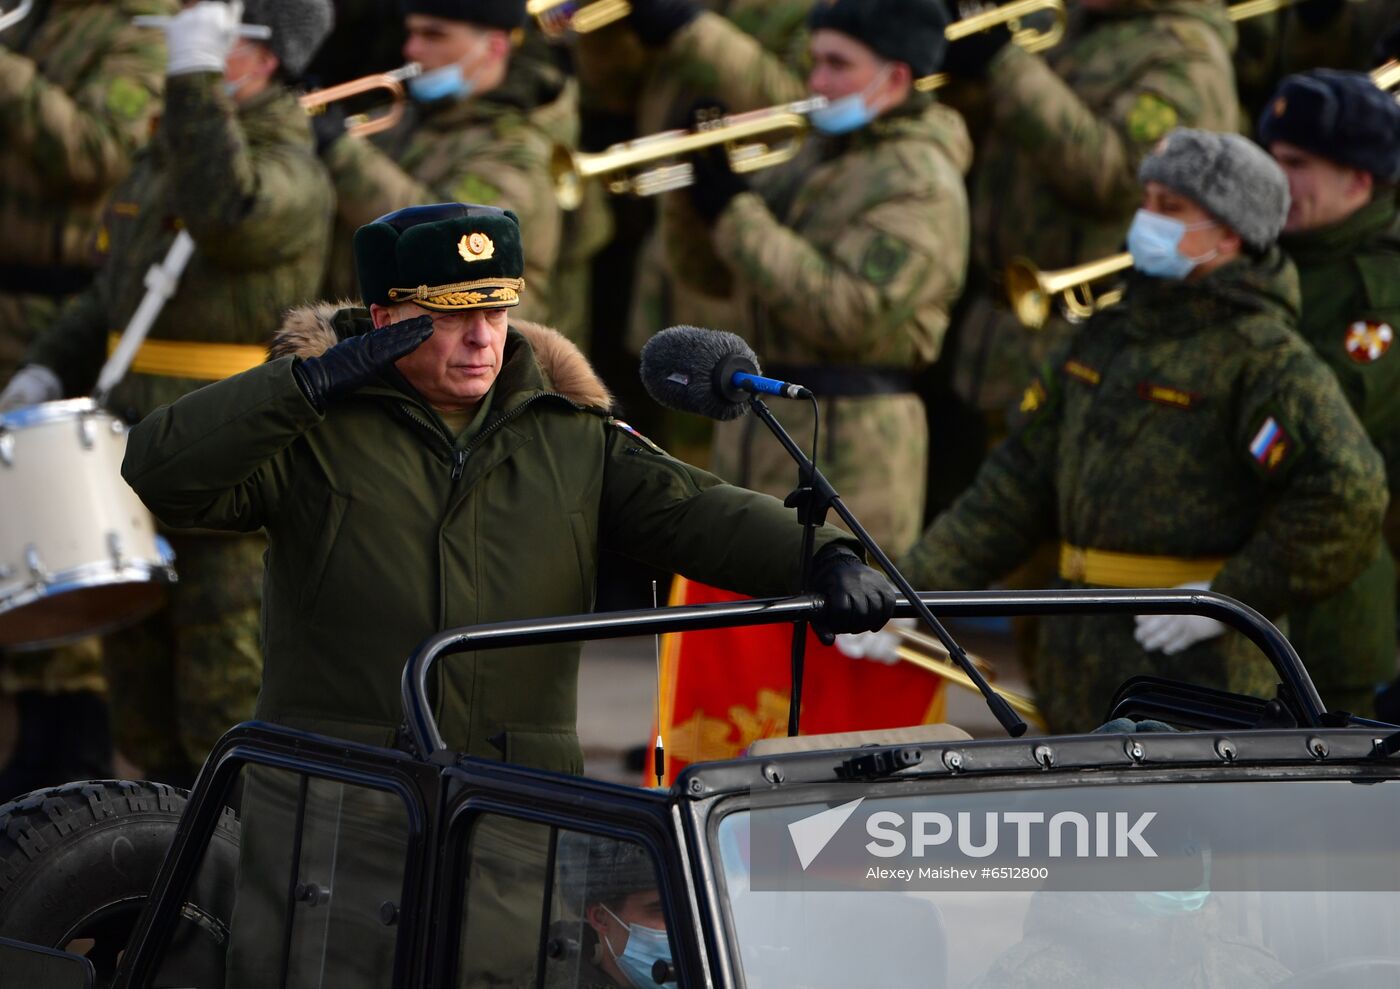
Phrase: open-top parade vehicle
x=810 y=862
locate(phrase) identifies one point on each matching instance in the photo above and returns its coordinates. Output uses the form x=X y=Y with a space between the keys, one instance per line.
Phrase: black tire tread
x=34 y=822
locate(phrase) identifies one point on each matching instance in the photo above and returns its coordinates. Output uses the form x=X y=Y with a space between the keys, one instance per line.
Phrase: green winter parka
x=384 y=529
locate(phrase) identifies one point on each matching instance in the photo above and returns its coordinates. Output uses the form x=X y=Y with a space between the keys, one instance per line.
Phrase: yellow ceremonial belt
x=192 y=359
x=1108 y=569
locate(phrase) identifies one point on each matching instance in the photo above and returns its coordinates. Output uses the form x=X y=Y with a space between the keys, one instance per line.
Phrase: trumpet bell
x=1031 y=292
x=364 y=124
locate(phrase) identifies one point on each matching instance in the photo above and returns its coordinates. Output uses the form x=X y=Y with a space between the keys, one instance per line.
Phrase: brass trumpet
x=361 y=124
x=1031 y=39
x=1031 y=292
x=1246 y=9
x=9 y=20
x=1387 y=76
x=916 y=649
x=754 y=140
x=558 y=17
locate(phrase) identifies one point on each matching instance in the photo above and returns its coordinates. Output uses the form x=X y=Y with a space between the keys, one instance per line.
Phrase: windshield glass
x=1252 y=882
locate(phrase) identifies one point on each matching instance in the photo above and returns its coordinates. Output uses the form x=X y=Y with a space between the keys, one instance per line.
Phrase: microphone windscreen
x=679 y=365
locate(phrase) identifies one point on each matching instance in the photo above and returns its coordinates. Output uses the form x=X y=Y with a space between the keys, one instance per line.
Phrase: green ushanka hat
x=446 y=257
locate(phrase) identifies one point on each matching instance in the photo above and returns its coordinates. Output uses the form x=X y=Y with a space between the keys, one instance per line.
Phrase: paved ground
x=617 y=696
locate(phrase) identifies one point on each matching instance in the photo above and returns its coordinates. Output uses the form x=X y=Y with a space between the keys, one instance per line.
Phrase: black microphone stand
x=812 y=499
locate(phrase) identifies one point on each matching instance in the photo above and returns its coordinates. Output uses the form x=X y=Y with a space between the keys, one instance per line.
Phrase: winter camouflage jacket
x=246 y=184
x=79 y=88
x=494 y=149
x=1189 y=421
x=1055 y=178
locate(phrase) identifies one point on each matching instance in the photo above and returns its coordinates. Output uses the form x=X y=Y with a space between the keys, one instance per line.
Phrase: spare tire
x=77 y=863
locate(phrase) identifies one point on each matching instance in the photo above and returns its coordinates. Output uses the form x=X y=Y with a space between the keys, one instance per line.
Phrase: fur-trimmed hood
x=309 y=331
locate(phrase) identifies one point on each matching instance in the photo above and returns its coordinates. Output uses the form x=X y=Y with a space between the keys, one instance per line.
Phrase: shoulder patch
x=1176 y=398
x=636 y=434
x=1367 y=340
x=1150 y=118
x=885 y=256
x=1082 y=372
x=474 y=189
x=127 y=99
x=1272 y=447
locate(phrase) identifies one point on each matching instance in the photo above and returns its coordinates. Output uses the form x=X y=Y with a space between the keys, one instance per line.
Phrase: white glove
x=879 y=647
x=199 y=38
x=30 y=386
x=1173 y=633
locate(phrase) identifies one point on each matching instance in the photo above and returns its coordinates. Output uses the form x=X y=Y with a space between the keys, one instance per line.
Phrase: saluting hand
x=356 y=360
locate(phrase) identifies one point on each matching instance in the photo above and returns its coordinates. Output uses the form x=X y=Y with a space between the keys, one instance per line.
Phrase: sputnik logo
x=811 y=834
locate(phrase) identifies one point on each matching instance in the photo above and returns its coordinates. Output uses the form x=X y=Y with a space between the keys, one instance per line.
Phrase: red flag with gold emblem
x=724 y=688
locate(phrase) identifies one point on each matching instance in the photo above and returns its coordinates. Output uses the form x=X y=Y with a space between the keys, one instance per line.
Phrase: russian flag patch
x=1271 y=445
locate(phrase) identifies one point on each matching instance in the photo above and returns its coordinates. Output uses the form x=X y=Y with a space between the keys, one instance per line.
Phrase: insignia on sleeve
x=636 y=434
x=1034 y=398
x=1176 y=398
x=1271 y=446
x=1082 y=372
x=884 y=258
x=1367 y=340
x=127 y=99
x=1150 y=118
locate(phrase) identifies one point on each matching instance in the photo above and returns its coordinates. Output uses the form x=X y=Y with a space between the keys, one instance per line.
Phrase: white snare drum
x=79 y=553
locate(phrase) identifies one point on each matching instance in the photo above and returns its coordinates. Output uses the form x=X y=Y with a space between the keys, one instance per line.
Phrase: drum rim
x=85 y=576
x=37 y=415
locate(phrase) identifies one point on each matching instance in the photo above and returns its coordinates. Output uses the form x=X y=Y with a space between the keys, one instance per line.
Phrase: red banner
x=724 y=688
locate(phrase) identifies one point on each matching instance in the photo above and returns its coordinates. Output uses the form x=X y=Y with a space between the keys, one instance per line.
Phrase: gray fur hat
x=1229 y=176
x=298 y=29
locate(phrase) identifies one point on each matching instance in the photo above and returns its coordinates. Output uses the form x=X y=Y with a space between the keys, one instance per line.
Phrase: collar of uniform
x=528 y=85
x=1327 y=243
x=1159 y=307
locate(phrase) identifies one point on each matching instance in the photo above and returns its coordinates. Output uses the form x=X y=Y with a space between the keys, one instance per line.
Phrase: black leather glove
x=657 y=21
x=715 y=183
x=858 y=599
x=968 y=58
x=328 y=126
x=1318 y=14
x=356 y=360
x=1388 y=703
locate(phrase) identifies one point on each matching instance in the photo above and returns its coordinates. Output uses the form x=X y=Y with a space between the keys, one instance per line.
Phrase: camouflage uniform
x=661 y=87
x=848 y=258
x=1156 y=436
x=1350 y=277
x=1279 y=44
x=1056 y=178
x=79 y=86
x=494 y=149
x=246 y=184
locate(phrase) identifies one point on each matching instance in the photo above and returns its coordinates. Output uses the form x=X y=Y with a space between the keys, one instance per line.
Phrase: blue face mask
x=446 y=83
x=1154 y=241
x=645 y=947
x=1172 y=903
x=849 y=113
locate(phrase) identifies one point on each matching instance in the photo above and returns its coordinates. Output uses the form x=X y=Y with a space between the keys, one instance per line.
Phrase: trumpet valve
x=654 y=181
